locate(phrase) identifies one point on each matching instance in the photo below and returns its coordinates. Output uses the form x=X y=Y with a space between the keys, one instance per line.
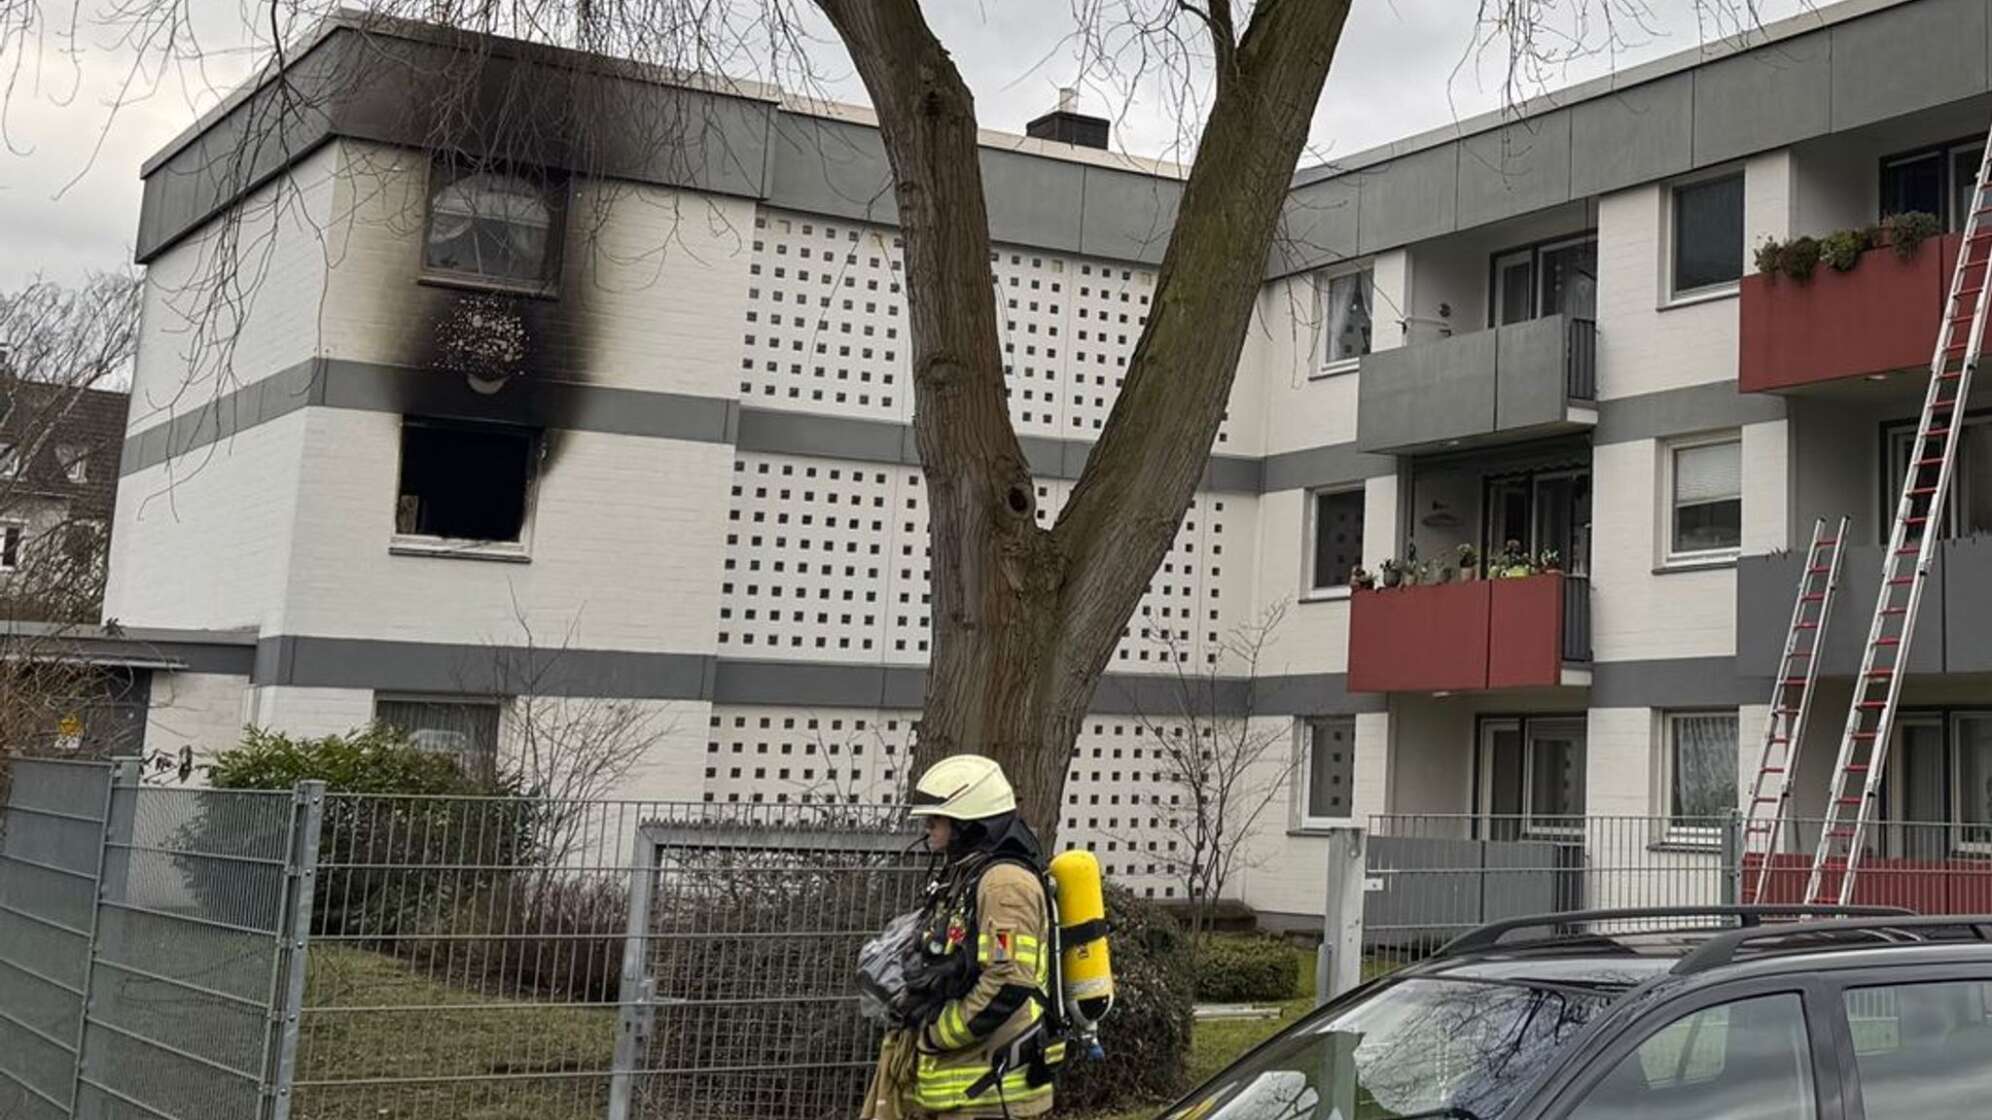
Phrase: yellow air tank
x=1088 y=972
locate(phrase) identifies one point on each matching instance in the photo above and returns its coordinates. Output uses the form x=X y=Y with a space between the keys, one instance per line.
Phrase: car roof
x=1625 y=948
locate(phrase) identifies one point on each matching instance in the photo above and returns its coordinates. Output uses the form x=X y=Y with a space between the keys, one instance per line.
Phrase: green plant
x=1469 y=558
x=1147 y=1037
x=1769 y=256
x=1800 y=258
x=405 y=839
x=1247 y=970
x=375 y=759
x=1907 y=231
x=1842 y=249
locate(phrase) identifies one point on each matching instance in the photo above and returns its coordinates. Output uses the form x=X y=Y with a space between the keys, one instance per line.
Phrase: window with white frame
x=465 y=730
x=75 y=462
x=11 y=536
x=1705 y=498
x=1701 y=768
x=1968 y=506
x=1935 y=181
x=1328 y=768
x=1707 y=234
x=10 y=461
x=492 y=224
x=1347 y=301
x=1554 y=278
x=1533 y=773
x=1336 y=537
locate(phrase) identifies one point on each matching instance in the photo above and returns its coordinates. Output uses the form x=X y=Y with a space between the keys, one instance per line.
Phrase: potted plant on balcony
x=1548 y=561
x=1469 y=558
x=1389 y=574
x=1513 y=563
x=1360 y=579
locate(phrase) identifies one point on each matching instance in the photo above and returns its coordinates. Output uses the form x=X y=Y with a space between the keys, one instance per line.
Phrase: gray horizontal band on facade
x=1845 y=66
x=225 y=653
x=1675 y=682
x=1673 y=412
x=372 y=387
x=400 y=83
x=362 y=663
x=394 y=666
x=579 y=406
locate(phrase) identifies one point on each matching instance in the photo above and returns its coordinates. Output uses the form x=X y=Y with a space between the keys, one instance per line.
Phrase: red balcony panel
x=1959 y=885
x=1526 y=632
x=1451 y=637
x=1880 y=315
x=1420 y=639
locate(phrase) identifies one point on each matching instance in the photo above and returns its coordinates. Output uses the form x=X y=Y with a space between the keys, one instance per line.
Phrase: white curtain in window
x=1347 y=316
x=1704 y=765
x=1709 y=473
x=488 y=197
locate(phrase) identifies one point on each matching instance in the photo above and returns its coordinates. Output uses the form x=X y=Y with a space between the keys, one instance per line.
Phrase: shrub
x=1247 y=970
x=1909 y=230
x=1770 y=256
x=541 y=934
x=1147 y=1037
x=388 y=864
x=1842 y=250
x=1800 y=258
x=377 y=759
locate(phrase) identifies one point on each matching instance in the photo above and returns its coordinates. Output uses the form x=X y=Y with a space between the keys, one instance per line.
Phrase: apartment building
x=644 y=436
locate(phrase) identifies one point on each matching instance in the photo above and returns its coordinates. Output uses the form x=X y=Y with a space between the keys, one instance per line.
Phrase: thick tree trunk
x=1025 y=618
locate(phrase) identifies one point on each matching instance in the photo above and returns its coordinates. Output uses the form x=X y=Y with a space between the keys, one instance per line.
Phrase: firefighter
x=979 y=1043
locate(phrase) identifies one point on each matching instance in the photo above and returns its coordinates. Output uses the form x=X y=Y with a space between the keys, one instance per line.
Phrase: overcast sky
x=69 y=187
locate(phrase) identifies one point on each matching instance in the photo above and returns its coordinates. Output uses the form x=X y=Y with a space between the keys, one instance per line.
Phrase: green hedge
x=1147 y=1036
x=1247 y=970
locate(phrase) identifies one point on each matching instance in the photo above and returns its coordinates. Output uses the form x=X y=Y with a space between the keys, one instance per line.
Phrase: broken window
x=494 y=224
x=464 y=481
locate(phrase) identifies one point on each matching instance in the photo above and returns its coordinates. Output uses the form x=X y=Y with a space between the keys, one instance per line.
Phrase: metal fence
x=1429 y=878
x=224 y=955
x=146 y=938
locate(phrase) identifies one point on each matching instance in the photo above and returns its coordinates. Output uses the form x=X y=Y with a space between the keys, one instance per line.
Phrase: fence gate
x=148 y=949
x=739 y=998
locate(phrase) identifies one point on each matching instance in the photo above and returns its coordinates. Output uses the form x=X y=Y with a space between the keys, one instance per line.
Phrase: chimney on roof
x=1067 y=125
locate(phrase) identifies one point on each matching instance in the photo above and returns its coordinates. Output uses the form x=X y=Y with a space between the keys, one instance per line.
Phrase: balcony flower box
x=1457 y=637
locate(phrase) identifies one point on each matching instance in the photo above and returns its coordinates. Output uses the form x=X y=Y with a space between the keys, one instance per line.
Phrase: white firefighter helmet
x=963 y=787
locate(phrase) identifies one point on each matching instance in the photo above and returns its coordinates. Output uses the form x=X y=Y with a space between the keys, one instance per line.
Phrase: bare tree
x=61 y=349
x=1220 y=766
x=1025 y=616
x=562 y=749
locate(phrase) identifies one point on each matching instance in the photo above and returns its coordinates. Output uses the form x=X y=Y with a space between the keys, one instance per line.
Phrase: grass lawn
x=444 y=1050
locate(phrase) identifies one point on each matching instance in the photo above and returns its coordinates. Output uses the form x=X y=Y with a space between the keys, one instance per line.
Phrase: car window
x=1922 y=1050
x=1747 y=1060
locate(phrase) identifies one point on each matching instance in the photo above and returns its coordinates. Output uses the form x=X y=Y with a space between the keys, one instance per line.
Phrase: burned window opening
x=465 y=481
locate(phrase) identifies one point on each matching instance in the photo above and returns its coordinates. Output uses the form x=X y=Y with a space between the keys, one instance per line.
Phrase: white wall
x=205 y=711
x=203 y=541
x=626 y=538
x=237 y=300
x=310 y=712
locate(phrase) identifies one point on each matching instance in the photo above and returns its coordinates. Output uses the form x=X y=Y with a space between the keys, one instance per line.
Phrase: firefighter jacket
x=984 y=1050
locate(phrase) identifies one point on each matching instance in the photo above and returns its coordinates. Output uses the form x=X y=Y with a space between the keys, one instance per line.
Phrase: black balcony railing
x=1576 y=618
x=1580 y=357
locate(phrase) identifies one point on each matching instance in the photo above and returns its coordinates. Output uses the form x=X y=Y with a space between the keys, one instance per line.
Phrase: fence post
x=113 y=871
x=1339 y=967
x=633 y=996
x=1732 y=857
x=294 y=941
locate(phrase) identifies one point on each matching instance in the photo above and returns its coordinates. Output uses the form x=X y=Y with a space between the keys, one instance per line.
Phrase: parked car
x=1703 y=1013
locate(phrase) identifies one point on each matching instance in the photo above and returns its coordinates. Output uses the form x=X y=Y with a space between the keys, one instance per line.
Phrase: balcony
x=1510 y=383
x=1879 y=316
x=1951 y=633
x=1458 y=637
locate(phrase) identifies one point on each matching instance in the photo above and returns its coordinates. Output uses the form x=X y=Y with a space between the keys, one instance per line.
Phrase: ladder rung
x=1872 y=704
x=1808 y=626
x=1879 y=672
x=1931 y=461
x=1861 y=766
x=1920 y=490
x=1814 y=597
x=1847 y=800
x=1819 y=570
x=1800 y=653
x=1895 y=610
x=1935 y=432
x=1914 y=520
x=1829 y=542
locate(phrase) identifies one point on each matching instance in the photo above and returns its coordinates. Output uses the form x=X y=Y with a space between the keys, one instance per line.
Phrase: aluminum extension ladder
x=1919 y=515
x=1791 y=699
